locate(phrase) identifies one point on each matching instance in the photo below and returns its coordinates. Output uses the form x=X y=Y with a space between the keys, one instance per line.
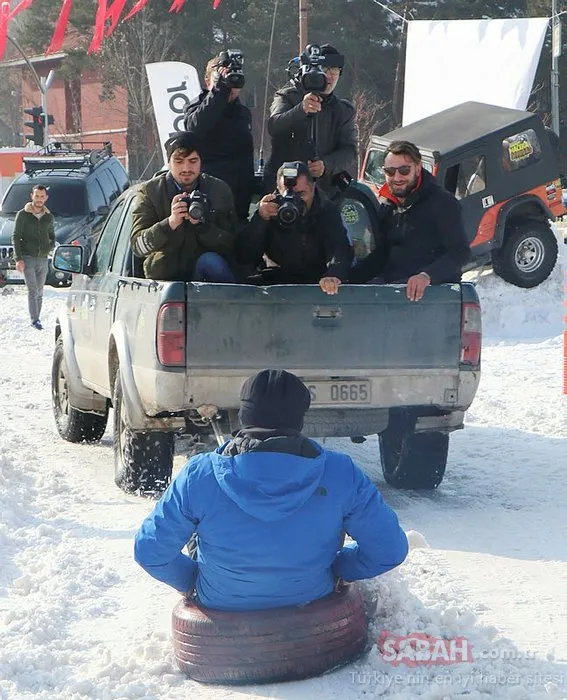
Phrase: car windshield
x=65 y=198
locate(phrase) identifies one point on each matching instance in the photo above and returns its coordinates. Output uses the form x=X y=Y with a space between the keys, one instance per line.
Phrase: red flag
x=4 y=20
x=60 y=27
x=103 y=15
x=216 y=3
x=176 y=5
x=137 y=7
x=6 y=16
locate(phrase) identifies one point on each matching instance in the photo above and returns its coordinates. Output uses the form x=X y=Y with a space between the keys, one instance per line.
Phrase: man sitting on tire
x=269 y=510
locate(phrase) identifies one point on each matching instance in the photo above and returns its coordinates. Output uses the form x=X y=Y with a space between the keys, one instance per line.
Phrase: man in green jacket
x=168 y=231
x=34 y=239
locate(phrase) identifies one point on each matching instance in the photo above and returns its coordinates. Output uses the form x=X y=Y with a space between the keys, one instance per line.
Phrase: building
x=75 y=103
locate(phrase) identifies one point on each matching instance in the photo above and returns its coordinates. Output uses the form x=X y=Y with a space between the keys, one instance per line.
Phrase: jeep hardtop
x=502 y=165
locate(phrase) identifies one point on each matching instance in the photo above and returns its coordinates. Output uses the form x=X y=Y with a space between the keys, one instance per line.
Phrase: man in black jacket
x=421 y=233
x=223 y=126
x=315 y=246
x=292 y=114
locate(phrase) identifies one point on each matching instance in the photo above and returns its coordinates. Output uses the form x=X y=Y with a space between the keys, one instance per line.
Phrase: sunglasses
x=402 y=169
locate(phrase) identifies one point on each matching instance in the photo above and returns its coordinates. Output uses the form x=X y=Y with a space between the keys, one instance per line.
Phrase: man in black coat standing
x=421 y=233
x=293 y=114
x=223 y=126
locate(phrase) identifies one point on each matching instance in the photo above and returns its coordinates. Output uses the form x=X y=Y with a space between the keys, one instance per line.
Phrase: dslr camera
x=291 y=206
x=198 y=206
x=234 y=61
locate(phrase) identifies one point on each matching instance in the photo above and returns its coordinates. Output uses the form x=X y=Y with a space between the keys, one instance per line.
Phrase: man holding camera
x=313 y=126
x=223 y=126
x=297 y=235
x=184 y=223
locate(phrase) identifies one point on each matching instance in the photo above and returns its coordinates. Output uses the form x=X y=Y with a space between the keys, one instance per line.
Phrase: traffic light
x=36 y=125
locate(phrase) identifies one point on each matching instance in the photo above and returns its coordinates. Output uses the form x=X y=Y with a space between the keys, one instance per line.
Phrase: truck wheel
x=528 y=255
x=143 y=461
x=73 y=425
x=413 y=460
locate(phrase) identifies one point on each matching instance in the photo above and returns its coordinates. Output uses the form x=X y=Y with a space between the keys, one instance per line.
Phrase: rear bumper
x=447 y=391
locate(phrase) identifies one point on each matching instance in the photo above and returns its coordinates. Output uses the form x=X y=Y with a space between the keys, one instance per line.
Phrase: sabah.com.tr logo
x=420 y=649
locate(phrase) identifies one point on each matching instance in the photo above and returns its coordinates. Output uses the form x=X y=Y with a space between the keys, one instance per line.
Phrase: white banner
x=492 y=61
x=173 y=85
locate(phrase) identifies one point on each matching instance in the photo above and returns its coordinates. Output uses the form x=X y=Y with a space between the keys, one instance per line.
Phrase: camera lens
x=288 y=213
x=196 y=211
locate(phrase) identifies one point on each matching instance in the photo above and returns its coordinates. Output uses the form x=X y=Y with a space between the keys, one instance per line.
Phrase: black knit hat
x=182 y=139
x=333 y=59
x=273 y=398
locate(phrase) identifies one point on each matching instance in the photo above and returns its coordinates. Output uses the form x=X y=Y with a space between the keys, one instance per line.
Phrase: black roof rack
x=68 y=155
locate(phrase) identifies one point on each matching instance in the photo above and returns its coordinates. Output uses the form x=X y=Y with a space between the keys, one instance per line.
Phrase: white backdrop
x=492 y=61
x=173 y=85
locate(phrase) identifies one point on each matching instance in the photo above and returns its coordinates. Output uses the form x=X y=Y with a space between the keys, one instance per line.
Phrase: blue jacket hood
x=268 y=486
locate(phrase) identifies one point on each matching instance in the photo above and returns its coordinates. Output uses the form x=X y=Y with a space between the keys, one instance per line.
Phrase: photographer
x=297 y=114
x=297 y=234
x=223 y=126
x=184 y=221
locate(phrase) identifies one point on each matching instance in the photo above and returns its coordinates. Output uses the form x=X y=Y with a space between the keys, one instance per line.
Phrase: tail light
x=171 y=334
x=471 y=334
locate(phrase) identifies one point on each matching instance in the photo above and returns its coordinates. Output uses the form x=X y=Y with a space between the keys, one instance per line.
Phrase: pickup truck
x=170 y=358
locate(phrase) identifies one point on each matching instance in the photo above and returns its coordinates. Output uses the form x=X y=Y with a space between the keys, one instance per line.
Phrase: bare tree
x=368 y=118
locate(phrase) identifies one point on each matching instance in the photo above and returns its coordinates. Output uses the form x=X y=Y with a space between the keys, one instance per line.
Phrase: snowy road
x=79 y=620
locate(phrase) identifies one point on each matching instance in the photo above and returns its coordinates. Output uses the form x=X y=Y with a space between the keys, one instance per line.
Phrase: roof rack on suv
x=68 y=155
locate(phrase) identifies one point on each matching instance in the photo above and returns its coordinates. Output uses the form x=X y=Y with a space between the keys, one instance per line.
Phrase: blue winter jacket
x=269 y=527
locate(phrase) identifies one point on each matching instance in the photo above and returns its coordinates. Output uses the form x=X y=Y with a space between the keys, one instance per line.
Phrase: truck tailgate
x=363 y=327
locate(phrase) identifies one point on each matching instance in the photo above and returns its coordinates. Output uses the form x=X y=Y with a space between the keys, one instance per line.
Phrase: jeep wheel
x=73 y=425
x=412 y=460
x=143 y=461
x=528 y=255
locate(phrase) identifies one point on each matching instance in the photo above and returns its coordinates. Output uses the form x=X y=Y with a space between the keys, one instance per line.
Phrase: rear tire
x=528 y=254
x=143 y=461
x=73 y=425
x=412 y=460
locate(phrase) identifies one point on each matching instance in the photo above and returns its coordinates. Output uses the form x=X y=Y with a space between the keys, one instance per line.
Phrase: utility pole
x=303 y=7
x=556 y=50
x=45 y=83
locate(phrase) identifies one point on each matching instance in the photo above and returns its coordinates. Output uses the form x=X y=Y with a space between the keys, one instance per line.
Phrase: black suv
x=82 y=184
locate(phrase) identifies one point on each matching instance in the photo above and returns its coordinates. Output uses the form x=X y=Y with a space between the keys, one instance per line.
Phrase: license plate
x=337 y=392
x=13 y=275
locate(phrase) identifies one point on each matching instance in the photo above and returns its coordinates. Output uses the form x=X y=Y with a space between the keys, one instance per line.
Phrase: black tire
x=412 y=460
x=143 y=461
x=73 y=425
x=528 y=254
x=270 y=646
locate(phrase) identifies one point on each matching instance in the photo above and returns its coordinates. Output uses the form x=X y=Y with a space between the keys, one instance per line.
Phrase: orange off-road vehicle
x=502 y=165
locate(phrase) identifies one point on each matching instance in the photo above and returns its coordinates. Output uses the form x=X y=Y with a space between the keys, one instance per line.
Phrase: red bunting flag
x=107 y=17
x=60 y=27
x=6 y=15
x=177 y=5
x=105 y=14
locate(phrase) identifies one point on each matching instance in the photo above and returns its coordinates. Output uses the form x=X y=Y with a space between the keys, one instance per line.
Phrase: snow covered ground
x=78 y=618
